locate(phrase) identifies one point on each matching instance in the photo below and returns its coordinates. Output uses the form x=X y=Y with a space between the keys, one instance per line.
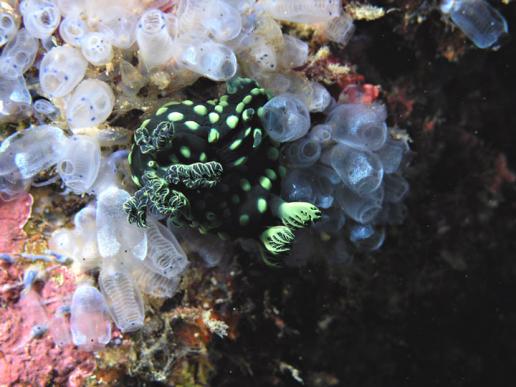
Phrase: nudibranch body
x=210 y=165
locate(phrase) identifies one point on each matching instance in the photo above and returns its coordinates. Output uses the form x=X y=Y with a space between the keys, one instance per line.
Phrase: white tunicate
x=308 y=185
x=96 y=48
x=263 y=54
x=88 y=256
x=71 y=7
x=320 y=98
x=80 y=163
x=31 y=151
x=154 y=42
x=89 y=319
x=132 y=78
x=479 y=21
x=45 y=109
x=72 y=30
x=362 y=209
x=340 y=29
x=123 y=297
x=321 y=133
x=359 y=125
x=61 y=69
x=59 y=329
x=40 y=17
x=18 y=55
x=8 y=27
x=119 y=24
x=213 y=60
x=153 y=283
x=361 y=171
x=295 y=52
x=91 y=104
x=365 y=237
x=15 y=99
x=302 y=11
x=116 y=236
x=62 y=241
x=165 y=256
x=286 y=118
x=396 y=188
x=302 y=153
x=391 y=154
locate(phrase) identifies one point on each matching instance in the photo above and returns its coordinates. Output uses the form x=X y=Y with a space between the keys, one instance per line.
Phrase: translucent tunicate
x=302 y=153
x=359 y=125
x=365 y=237
x=119 y=25
x=18 y=55
x=286 y=118
x=153 y=283
x=391 y=154
x=479 y=21
x=73 y=29
x=8 y=27
x=71 y=7
x=213 y=60
x=362 y=209
x=308 y=185
x=340 y=29
x=165 y=256
x=89 y=319
x=26 y=153
x=122 y=296
x=80 y=163
x=116 y=236
x=40 y=17
x=91 y=104
x=361 y=171
x=61 y=69
x=295 y=52
x=96 y=48
x=132 y=79
x=321 y=133
x=320 y=98
x=45 y=109
x=303 y=11
x=396 y=188
x=15 y=99
x=154 y=42
x=60 y=328
x=263 y=54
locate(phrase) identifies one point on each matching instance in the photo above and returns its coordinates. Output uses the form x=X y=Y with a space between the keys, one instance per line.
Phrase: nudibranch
x=210 y=165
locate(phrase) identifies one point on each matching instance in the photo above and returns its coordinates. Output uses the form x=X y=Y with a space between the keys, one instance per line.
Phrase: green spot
x=151 y=164
x=282 y=171
x=213 y=135
x=272 y=153
x=232 y=121
x=235 y=199
x=211 y=216
x=187 y=102
x=145 y=123
x=244 y=219
x=224 y=98
x=245 y=185
x=247 y=132
x=235 y=144
x=192 y=125
x=265 y=182
x=130 y=156
x=271 y=174
x=247 y=99
x=161 y=110
x=135 y=180
x=203 y=157
x=213 y=117
x=211 y=101
x=223 y=103
x=200 y=110
x=260 y=112
x=240 y=107
x=248 y=114
x=219 y=109
x=185 y=151
x=174 y=159
x=256 y=91
x=257 y=136
x=171 y=103
x=175 y=116
x=240 y=161
x=261 y=205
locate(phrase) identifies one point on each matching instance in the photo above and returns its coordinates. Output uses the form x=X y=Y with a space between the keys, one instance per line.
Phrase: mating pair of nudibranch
x=210 y=165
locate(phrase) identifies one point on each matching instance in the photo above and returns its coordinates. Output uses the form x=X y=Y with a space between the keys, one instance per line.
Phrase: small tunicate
x=44 y=109
x=91 y=104
x=154 y=42
x=391 y=154
x=15 y=99
x=89 y=319
x=40 y=17
x=479 y=21
x=320 y=98
x=308 y=185
x=362 y=209
x=165 y=256
x=360 y=171
x=286 y=118
x=395 y=187
x=321 y=133
x=96 y=48
x=152 y=283
x=213 y=60
x=18 y=55
x=302 y=11
x=61 y=69
x=359 y=125
x=119 y=25
x=73 y=29
x=59 y=328
x=115 y=236
x=122 y=296
x=132 y=78
x=8 y=27
x=71 y=7
x=264 y=55
x=340 y=29
x=365 y=237
x=302 y=153
x=295 y=52
x=80 y=163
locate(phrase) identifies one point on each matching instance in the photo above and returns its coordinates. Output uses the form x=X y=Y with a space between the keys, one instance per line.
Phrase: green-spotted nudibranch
x=210 y=165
